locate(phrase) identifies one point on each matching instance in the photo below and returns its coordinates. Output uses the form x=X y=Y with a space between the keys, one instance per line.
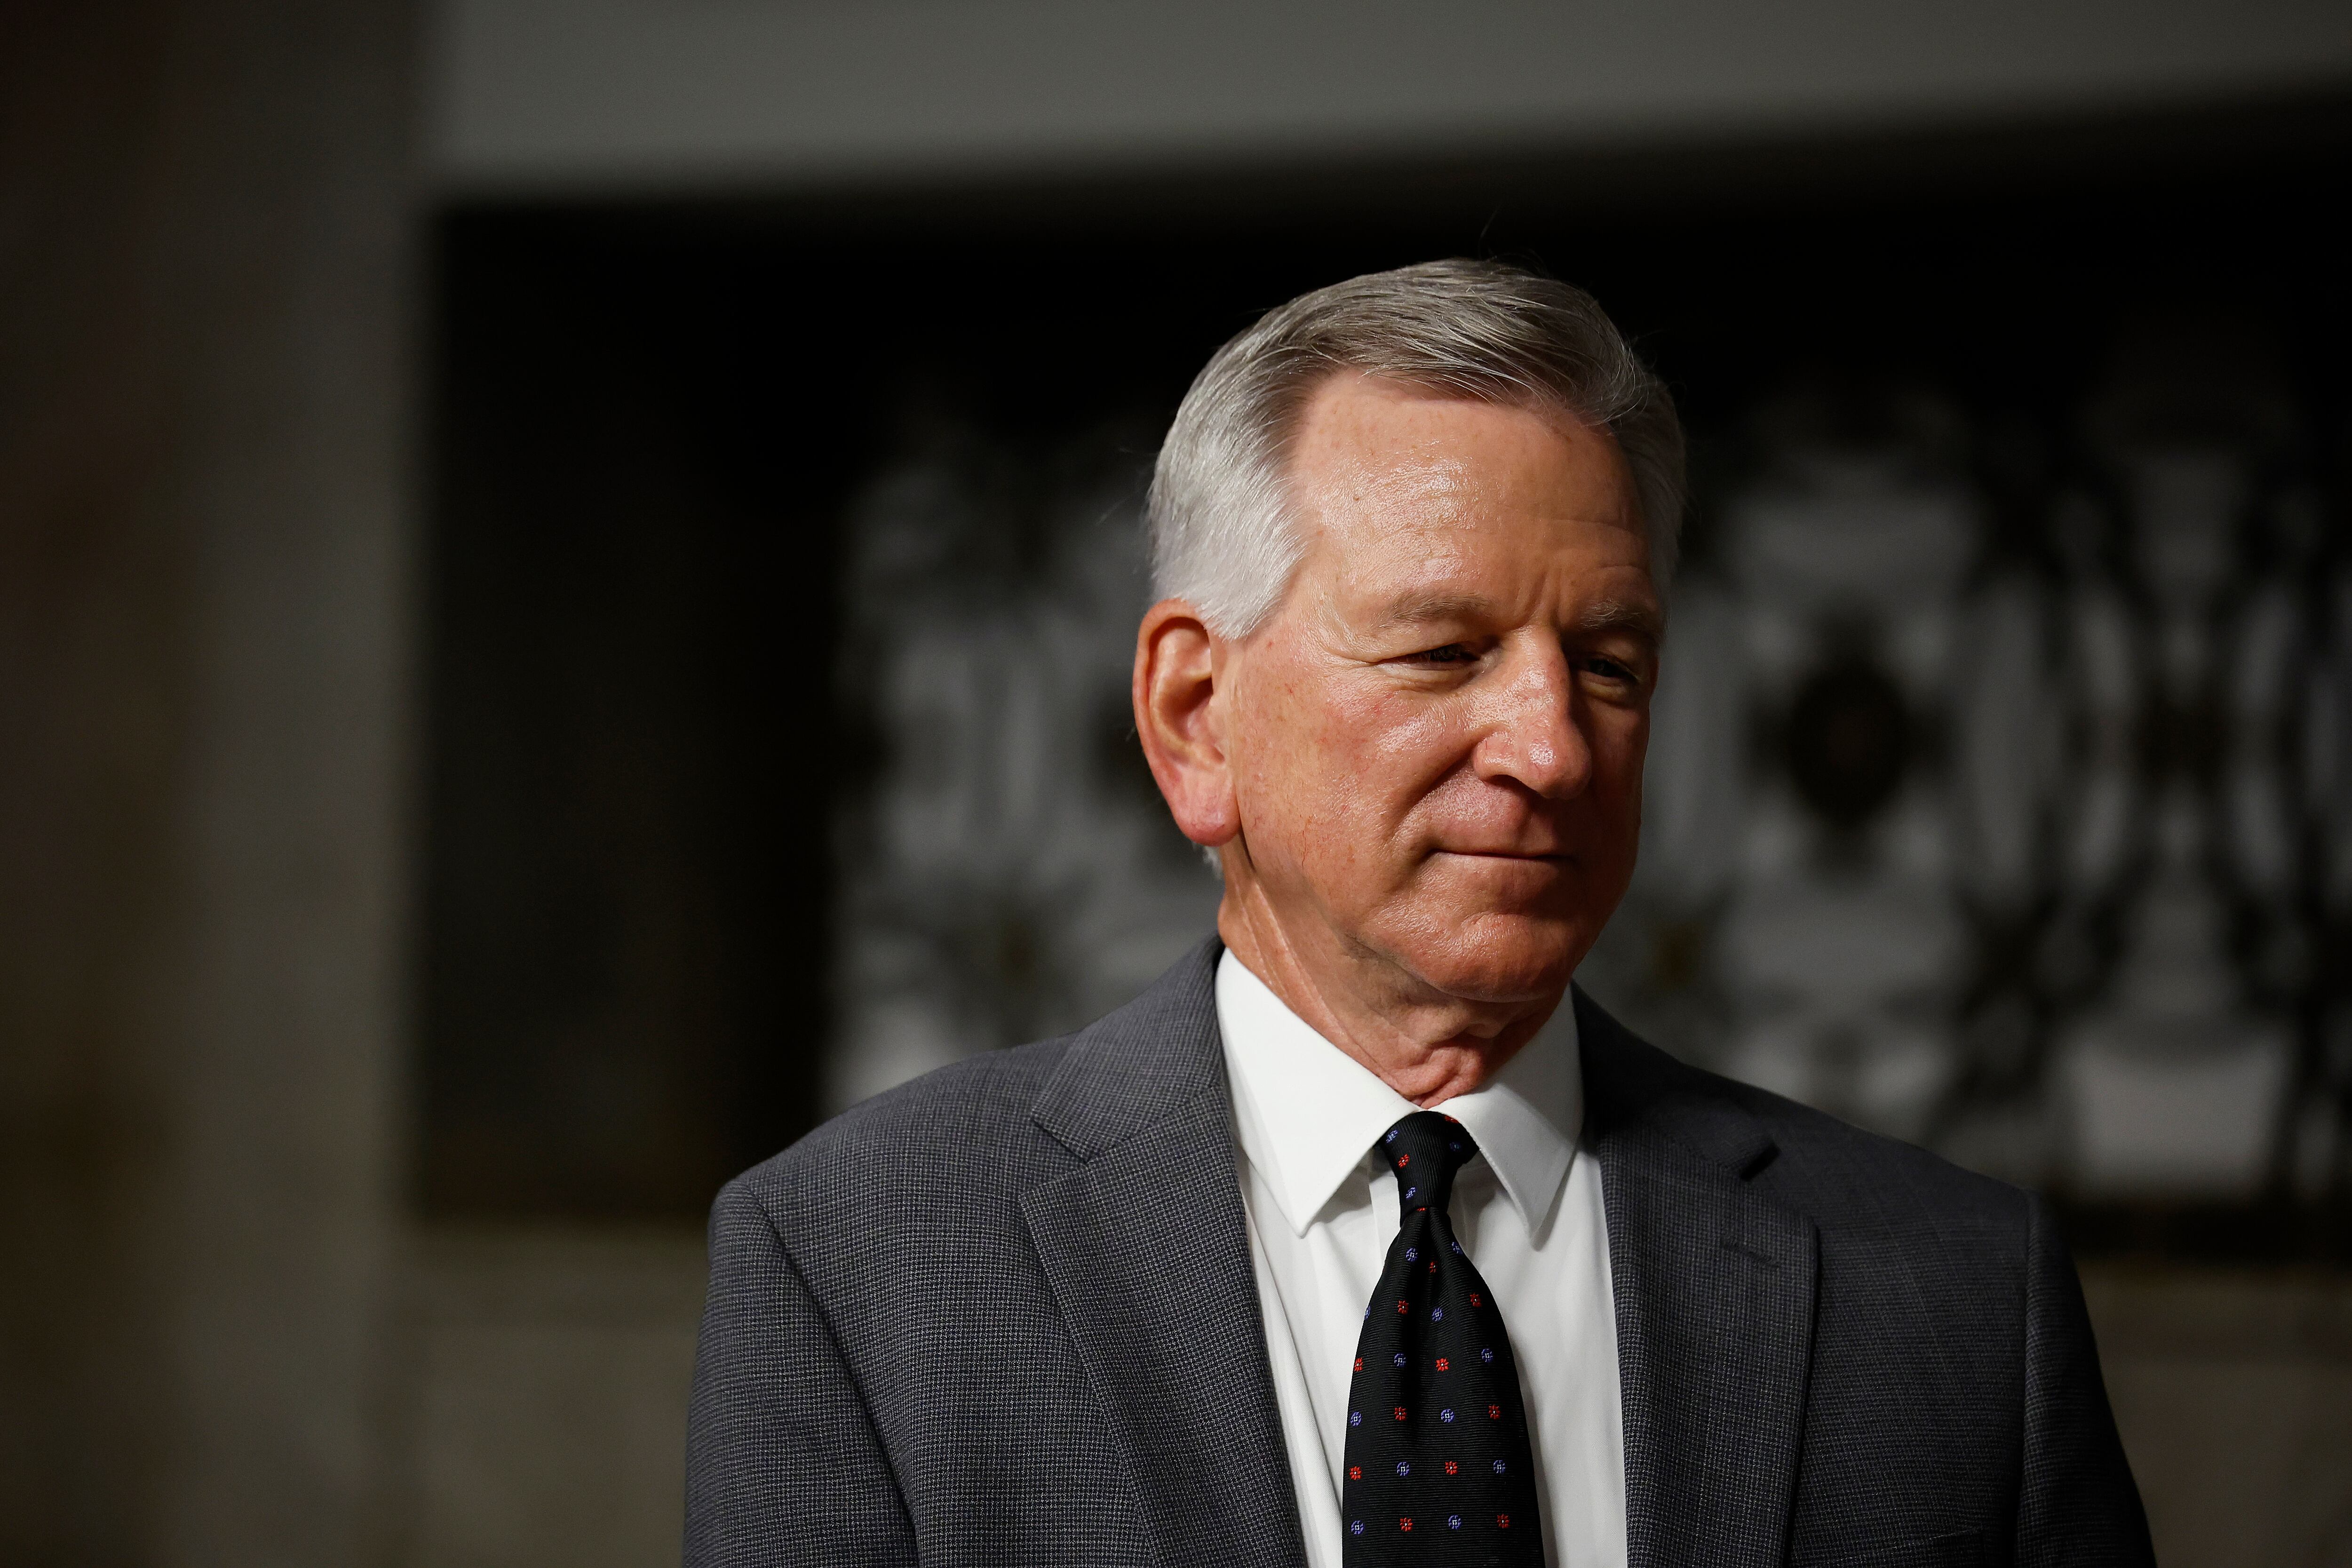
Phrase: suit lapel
x=1715 y=1288
x=1146 y=1251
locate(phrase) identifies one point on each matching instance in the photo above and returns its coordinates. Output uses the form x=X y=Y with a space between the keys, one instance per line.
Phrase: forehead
x=1382 y=469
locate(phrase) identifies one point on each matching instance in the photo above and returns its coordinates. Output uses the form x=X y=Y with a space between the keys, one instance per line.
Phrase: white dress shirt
x=1322 y=1211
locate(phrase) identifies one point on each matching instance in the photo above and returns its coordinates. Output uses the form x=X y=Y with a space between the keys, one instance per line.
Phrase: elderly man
x=1271 y=1266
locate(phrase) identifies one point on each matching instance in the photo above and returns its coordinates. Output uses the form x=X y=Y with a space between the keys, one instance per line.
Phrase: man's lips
x=1547 y=856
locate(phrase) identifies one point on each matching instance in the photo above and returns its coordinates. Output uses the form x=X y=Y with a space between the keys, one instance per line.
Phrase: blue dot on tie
x=1400 y=1360
x=1412 y=1254
x=1404 y=1468
x=1409 y=1191
x=1445 y=1415
x=1457 y=1249
x=1437 y=1314
x=1355 y=1418
x=1391 y=1137
x=1355 y=1527
x=1483 y=1355
x=1498 y=1467
x=1452 y=1521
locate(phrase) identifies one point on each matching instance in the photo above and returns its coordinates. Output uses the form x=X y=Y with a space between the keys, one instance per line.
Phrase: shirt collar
x=1307 y=1113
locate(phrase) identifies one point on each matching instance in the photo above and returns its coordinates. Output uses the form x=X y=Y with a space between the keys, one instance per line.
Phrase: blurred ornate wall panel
x=1994 y=800
x=1008 y=871
x=202 y=512
x=2030 y=776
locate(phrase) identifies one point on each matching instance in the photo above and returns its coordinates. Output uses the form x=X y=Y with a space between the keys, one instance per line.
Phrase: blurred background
x=566 y=572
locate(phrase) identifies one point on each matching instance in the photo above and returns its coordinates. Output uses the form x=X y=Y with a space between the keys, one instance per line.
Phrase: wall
x=204 y=277
x=2233 y=1392
x=533 y=95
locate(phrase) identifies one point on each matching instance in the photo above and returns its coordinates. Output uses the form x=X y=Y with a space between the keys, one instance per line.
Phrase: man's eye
x=1452 y=653
x=1609 y=669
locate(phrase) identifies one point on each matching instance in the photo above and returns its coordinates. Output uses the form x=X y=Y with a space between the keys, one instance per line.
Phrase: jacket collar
x=1714 y=1284
x=1146 y=1250
x=1131 y=1071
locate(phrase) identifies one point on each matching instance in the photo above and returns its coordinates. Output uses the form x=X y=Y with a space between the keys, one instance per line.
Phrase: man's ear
x=1177 y=718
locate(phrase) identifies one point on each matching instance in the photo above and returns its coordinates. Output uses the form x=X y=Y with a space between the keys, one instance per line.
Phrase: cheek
x=1327 y=753
x=1620 y=745
x=1381 y=751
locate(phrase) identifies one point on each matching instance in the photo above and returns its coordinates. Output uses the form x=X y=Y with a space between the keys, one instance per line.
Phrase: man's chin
x=1492 y=956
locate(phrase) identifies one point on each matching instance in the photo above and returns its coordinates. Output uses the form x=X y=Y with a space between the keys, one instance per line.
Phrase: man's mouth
x=1549 y=857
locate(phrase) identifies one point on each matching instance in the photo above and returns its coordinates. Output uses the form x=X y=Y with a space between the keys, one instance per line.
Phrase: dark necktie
x=1439 y=1467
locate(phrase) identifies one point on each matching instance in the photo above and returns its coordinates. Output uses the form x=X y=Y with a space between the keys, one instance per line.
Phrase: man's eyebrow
x=1435 y=606
x=1626 y=614
x=1422 y=608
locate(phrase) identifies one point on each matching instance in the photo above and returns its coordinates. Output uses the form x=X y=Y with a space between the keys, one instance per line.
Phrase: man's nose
x=1532 y=733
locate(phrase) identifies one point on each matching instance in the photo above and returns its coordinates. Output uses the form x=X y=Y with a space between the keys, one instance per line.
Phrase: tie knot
x=1425 y=1149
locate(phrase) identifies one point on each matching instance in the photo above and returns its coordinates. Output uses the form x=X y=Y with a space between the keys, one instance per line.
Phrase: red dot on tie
x=1400 y=1307
x=1403 y=1161
x=1502 y=1521
x=1359 y=1363
x=1441 y=1363
x=1474 y=1298
x=1452 y=1467
x=1355 y=1473
x=1404 y=1524
x=1400 y=1410
x=1494 y=1413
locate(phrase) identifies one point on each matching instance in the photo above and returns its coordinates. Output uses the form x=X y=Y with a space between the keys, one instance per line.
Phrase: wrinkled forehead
x=1377 y=437
x=1390 y=479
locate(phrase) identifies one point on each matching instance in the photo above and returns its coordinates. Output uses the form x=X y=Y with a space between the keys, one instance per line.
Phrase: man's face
x=1436 y=742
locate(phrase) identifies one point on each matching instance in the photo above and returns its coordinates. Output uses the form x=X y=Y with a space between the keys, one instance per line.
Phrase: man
x=1270 y=1266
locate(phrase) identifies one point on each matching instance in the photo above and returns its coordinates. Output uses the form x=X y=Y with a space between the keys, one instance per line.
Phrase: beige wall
x=207 y=245
x=628 y=95
x=545 y=1420
x=2234 y=1394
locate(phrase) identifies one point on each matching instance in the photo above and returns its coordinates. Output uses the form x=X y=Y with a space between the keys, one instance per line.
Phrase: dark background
x=648 y=419
x=422 y=429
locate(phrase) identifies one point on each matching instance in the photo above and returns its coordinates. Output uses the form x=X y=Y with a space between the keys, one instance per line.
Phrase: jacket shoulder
x=1827 y=1168
x=1840 y=1169
x=950 y=1153
x=962 y=1128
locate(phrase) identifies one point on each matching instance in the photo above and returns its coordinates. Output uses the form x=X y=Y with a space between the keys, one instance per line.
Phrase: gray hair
x=1224 y=535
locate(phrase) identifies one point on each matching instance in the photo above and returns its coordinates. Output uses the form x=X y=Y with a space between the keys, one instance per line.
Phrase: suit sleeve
x=2077 y=1504
x=782 y=1461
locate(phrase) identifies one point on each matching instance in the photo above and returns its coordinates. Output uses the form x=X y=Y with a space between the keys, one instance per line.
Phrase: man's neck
x=1424 y=1043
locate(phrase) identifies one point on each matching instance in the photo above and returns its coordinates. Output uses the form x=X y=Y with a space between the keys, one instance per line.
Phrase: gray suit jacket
x=1006 y=1315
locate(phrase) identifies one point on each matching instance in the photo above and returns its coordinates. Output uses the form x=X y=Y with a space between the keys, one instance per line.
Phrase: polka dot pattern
x=1442 y=1353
